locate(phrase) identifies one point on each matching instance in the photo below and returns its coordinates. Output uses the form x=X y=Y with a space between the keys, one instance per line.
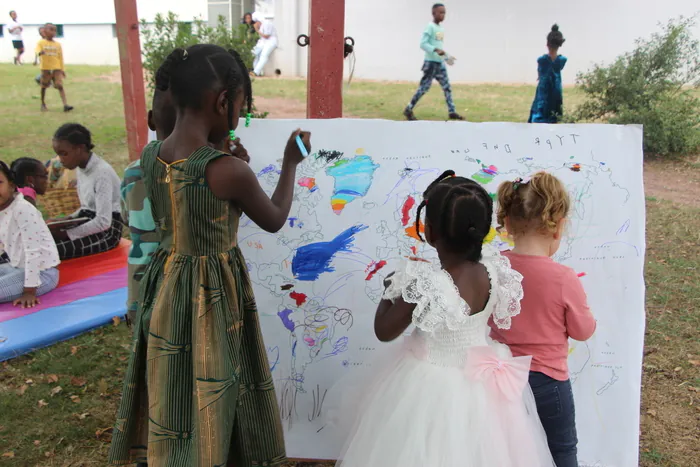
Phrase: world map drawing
x=318 y=281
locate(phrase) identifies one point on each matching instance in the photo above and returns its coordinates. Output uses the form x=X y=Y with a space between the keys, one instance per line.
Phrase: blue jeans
x=555 y=406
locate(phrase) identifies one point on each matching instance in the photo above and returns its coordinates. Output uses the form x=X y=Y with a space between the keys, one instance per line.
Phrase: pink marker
x=581 y=274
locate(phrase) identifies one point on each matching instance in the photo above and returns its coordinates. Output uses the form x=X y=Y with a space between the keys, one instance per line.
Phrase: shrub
x=655 y=85
x=168 y=33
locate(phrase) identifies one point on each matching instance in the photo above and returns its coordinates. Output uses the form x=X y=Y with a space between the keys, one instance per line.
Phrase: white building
x=496 y=41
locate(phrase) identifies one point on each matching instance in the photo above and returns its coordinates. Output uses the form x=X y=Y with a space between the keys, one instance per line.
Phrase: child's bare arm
x=392 y=319
x=232 y=179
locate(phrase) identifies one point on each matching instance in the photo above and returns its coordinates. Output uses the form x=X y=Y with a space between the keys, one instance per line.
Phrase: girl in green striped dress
x=198 y=389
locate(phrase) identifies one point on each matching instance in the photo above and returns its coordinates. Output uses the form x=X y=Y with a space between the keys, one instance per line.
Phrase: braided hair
x=76 y=134
x=188 y=73
x=9 y=174
x=459 y=212
x=24 y=167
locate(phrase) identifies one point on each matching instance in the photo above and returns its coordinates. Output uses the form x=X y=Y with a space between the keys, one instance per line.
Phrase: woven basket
x=59 y=202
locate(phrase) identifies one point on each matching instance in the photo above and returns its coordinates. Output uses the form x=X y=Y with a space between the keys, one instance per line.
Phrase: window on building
x=2 y=30
x=59 y=30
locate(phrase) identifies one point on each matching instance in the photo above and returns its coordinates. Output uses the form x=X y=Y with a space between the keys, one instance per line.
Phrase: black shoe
x=408 y=113
x=67 y=108
x=455 y=116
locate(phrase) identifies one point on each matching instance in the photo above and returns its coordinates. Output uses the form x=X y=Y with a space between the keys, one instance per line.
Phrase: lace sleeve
x=506 y=284
x=432 y=291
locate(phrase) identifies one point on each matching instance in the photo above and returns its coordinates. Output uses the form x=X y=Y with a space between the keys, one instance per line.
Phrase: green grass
x=477 y=103
x=61 y=434
x=26 y=131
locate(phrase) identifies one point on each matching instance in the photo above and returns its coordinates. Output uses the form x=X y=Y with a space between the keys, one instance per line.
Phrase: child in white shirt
x=25 y=237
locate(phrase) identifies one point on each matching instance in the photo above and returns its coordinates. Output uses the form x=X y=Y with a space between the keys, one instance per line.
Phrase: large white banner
x=318 y=281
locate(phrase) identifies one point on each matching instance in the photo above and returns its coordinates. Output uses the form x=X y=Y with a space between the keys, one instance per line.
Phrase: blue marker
x=302 y=147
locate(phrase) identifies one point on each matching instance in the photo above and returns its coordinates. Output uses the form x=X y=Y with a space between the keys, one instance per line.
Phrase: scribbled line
x=287 y=287
x=276 y=351
x=269 y=169
x=312 y=260
x=353 y=178
x=406 y=210
x=295 y=222
x=288 y=402
x=318 y=403
x=375 y=267
x=329 y=155
x=340 y=346
x=625 y=227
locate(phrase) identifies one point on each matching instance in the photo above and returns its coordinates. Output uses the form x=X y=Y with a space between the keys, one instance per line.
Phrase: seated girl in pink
x=31 y=177
x=554 y=307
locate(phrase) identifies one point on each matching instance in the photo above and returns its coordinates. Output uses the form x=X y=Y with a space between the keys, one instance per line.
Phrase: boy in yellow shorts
x=51 y=54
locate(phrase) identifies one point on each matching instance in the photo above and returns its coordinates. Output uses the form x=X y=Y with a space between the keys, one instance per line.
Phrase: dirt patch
x=676 y=181
x=115 y=77
x=281 y=107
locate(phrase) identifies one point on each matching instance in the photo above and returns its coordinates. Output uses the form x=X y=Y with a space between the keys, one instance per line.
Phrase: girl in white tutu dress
x=450 y=396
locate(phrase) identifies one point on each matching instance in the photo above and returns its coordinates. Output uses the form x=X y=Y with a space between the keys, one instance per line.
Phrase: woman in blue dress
x=548 y=104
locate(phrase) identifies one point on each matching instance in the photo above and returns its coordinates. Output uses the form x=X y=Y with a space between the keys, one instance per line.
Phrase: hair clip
x=248 y=117
x=184 y=55
x=520 y=181
x=232 y=135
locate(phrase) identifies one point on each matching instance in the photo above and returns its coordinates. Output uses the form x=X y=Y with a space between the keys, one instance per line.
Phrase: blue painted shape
x=37 y=330
x=312 y=260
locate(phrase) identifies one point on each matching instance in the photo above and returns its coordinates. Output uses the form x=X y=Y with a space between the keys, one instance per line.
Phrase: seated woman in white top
x=31 y=269
x=98 y=223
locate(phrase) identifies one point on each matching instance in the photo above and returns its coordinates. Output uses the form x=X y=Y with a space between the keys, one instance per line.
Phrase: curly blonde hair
x=538 y=204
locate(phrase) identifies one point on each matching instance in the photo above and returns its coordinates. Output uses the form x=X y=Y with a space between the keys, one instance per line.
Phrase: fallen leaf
x=43 y=403
x=74 y=350
x=9 y=454
x=52 y=379
x=677 y=369
x=22 y=389
x=75 y=399
x=103 y=387
x=82 y=416
x=29 y=381
x=37 y=442
x=651 y=412
x=49 y=454
x=116 y=320
x=692 y=389
x=75 y=381
x=122 y=359
x=56 y=390
x=104 y=434
x=694 y=362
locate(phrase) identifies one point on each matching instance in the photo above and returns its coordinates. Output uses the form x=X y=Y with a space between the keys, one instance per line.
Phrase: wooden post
x=132 y=76
x=326 y=44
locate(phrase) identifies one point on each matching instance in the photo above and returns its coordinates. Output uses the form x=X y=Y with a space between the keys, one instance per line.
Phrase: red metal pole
x=326 y=44
x=132 y=76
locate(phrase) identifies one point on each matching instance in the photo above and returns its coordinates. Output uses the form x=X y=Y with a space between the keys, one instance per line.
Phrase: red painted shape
x=406 y=210
x=133 y=87
x=298 y=297
x=375 y=269
x=326 y=45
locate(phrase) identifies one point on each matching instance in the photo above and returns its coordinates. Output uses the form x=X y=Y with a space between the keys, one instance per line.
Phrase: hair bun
x=555 y=28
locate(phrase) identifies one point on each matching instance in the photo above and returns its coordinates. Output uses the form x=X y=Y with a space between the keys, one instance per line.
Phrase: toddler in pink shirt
x=554 y=307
